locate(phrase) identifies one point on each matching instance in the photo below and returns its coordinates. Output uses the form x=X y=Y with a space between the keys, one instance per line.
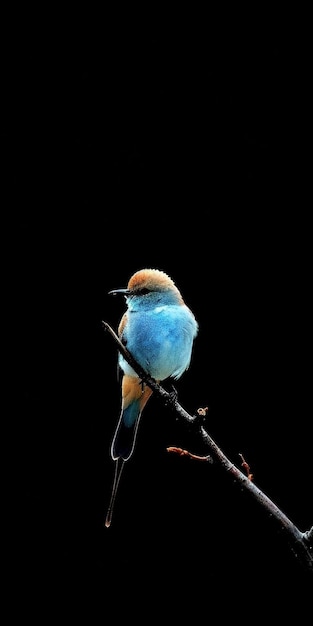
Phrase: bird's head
x=150 y=282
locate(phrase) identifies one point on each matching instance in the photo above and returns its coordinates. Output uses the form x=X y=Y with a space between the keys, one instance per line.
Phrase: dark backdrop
x=187 y=156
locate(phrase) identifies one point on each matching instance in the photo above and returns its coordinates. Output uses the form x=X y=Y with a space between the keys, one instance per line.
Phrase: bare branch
x=300 y=542
x=308 y=537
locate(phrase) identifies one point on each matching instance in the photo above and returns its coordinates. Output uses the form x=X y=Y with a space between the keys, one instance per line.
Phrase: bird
x=158 y=329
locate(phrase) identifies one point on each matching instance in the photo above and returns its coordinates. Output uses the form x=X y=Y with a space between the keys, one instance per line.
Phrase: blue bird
x=158 y=329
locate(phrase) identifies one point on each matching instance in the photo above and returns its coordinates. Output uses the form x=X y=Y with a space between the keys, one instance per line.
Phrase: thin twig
x=300 y=542
x=246 y=466
x=183 y=452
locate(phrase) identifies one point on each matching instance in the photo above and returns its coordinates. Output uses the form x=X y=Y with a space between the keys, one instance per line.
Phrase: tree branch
x=301 y=543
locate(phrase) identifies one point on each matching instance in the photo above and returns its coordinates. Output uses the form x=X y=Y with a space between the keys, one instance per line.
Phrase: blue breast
x=161 y=340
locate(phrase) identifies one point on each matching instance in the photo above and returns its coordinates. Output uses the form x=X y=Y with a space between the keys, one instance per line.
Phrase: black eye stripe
x=143 y=291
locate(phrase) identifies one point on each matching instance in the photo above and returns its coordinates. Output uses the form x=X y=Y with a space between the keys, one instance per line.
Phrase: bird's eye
x=143 y=291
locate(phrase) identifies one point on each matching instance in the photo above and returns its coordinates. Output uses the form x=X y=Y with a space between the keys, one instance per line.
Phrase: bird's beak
x=124 y=292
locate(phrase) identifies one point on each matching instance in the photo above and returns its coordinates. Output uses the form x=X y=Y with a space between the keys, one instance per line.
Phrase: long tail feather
x=135 y=397
x=125 y=435
x=119 y=464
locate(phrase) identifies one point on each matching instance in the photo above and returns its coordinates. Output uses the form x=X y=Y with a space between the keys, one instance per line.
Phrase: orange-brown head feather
x=154 y=280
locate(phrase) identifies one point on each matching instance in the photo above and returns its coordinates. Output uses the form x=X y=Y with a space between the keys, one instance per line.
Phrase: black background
x=188 y=155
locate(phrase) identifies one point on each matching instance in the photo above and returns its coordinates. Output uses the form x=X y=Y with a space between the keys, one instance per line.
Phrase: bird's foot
x=144 y=384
